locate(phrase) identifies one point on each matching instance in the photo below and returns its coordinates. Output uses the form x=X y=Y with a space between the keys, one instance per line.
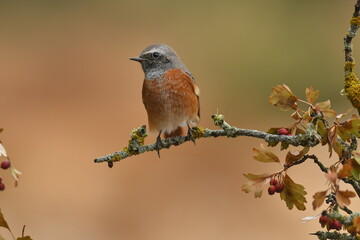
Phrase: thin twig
x=136 y=143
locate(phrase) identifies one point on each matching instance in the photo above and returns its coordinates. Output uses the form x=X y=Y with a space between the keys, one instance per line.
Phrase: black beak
x=137 y=59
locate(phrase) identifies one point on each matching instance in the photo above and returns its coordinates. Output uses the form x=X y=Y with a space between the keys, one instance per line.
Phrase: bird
x=169 y=93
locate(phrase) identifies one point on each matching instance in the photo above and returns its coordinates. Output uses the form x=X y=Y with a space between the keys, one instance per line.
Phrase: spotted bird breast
x=171 y=101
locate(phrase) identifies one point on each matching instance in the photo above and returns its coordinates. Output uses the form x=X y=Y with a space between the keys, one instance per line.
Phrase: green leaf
x=349 y=127
x=293 y=194
x=355 y=163
x=284 y=146
x=265 y=155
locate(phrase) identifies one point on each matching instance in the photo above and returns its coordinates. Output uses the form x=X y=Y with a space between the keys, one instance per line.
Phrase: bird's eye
x=156 y=55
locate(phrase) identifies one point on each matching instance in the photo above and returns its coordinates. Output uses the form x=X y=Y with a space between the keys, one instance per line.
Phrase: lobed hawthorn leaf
x=345 y=171
x=319 y=199
x=324 y=107
x=293 y=194
x=343 y=197
x=294 y=156
x=311 y=94
x=355 y=172
x=265 y=155
x=256 y=184
x=282 y=97
x=345 y=129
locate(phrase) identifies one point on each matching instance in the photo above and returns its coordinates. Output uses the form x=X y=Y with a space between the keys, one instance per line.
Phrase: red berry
x=335 y=224
x=279 y=187
x=0 y=179
x=271 y=190
x=283 y=131
x=5 y=164
x=2 y=187
x=323 y=219
x=273 y=181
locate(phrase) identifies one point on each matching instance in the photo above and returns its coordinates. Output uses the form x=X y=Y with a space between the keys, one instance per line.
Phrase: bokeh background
x=69 y=94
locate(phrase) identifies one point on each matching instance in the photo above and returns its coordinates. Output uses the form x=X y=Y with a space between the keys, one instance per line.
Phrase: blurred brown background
x=69 y=94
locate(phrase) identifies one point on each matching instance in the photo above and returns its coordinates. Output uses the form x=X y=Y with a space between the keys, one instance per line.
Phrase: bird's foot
x=158 y=144
x=190 y=135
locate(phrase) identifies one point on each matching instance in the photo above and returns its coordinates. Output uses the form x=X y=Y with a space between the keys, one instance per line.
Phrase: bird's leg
x=158 y=144
x=190 y=134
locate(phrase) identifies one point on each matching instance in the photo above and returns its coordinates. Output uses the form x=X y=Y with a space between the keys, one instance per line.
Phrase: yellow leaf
x=283 y=98
x=311 y=94
x=293 y=194
x=319 y=198
x=265 y=155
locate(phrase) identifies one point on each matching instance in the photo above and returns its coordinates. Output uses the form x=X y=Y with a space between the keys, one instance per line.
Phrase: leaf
x=320 y=128
x=319 y=199
x=294 y=156
x=311 y=94
x=355 y=171
x=345 y=129
x=265 y=155
x=343 y=197
x=284 y=146
x=283 y=98
x=15 y=174
x=345 y=170
x=331 y=175
x=2 y=150
x=256 y=184
x=299 y=131
x=293 y=194
x=24 y=238
x=324 y=107
x=257 y=177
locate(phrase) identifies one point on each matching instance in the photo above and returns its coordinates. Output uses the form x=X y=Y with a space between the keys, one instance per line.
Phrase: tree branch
x=136 y=143
x=333 y=235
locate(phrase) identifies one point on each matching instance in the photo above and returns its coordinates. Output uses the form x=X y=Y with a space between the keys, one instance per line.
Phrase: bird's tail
x=177 y=132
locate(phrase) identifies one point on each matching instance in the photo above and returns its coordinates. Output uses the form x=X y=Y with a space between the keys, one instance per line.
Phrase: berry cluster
x=275 y=186
x=5 y=164
x=330 y=223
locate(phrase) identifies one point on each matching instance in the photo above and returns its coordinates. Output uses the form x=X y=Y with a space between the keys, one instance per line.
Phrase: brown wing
x=196 y=90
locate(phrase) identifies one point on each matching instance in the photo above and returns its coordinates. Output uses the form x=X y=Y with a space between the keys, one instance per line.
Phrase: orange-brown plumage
x=169 y=93
x=171 y=101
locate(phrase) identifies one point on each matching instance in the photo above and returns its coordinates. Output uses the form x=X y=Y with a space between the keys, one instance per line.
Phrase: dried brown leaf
x=324 y=107
x=343 y=197
x=311 y=94
x=319 y=199
x=294 y=156
x=265 y=155
x=283 y=98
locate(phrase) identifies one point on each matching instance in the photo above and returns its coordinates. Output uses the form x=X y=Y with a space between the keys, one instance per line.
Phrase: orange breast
x=171 y=101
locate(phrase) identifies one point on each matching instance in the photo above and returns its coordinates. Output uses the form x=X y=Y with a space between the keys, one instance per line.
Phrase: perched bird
x=170 y=94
